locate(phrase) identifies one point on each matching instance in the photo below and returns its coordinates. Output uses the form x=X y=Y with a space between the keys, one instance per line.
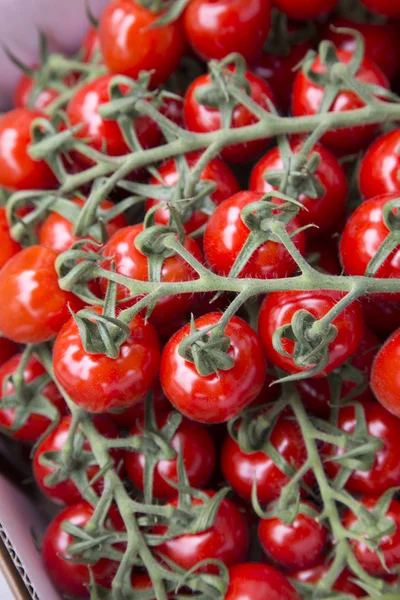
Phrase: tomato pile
x=200 y=273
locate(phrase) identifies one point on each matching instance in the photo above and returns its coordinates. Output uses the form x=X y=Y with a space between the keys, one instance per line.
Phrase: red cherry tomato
x=39 y=307
x=294 y=546
x=90 y=45
x=195 y=444
x=226 y=233
x=380 y=166
x=323 y=211
x=23 y=90
x=307 y=97
x=227 y=540
x=389 y=8
x=389 y=545
x=9 y=247
x=126 y=419
x=342 y=584
x=130 y=262
x=241 y=469
x=215 y=28
x=279 y=308
x=70 y=577
x=18 y=170
x=7 y=349
x=218 y=397
x=303 y=11
x=382 y=316
x=57 y=232
x=35 y=424
x=172 y=108
x=66 y=491
x=98 y=383
x=257 y=581
x=385 y=375
x=131 y=41
x=325 y=255
x=216 y=170
x=203 y=119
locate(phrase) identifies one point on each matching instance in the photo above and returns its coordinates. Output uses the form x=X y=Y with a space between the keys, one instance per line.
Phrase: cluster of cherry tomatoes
x=258 y=209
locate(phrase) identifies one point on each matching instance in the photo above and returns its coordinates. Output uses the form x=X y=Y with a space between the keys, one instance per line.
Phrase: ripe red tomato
x=57 y=232
x=240 y=469
x=7 y=349
x=389 y=8
x=294 y=546
x=70 y=577
x=131 y=42
x=227 y=540
x=342 y=584
x=382 y=316
x=66 y=491
x=23 y=90
x=98 y=383
x=35 y=424
x=203 y=119
x=216 y=170
x=83 y=109
x=307 y=97
x=389 y=545
x=195 y=444
x=217 y=397
x=257 y=581
x=323 y=211
x=215 y=28
x=18 y=170
x=303 y=11
x=90 y=45
x=226 y=233
x=385 y=472
x=126 y=419
x=129 y=261
x=324 y=253
x=9 y=247
x=278 y=309
x=380 y=166
x=39 y=307
x=384 y=376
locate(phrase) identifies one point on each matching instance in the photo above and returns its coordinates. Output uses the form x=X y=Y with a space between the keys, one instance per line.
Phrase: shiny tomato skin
x=195 y=444
x=66 y=491
x=98 y=383
x=216 y=170
x=307 y=97
x=389 y=545
x=36 y=424
x=23 y=90
x=240 y=469
x=380 y=166
x=323 y=211
x=9 y=247
x=315 y=574
x=389 y=8
x=226 y=234
x=278 y=309
x=57 y=232
x=72 y=578
x=204 y=119
x=257 y=581
x=90 y=45
x=18 y=170
x=130 y=262
x=385 y=374
x=218 y=397
x=40 y=307
x=303 y=11
x=131 y=42
x=227 y=540
x=215 y=28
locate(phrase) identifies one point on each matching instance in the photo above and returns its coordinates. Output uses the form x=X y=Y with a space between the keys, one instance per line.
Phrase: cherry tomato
x=130 y=262
x=7 y=349
x=307 y=97
x=241 y=469
x=256 y=581
x=380 y=166
x=98 y=383
x=389 y=545
x=382 y=316
x=279 y=308
x=226 y=234
x=9 y=247
x=70 y=577
x=131 y=41
x=39 y=307
x=18 y=170
x=66 y=491
x=324 y=255
x=227 y=540
x=304 y=11
x=126 y=419
x=195 y=444
x=318 y=572
x=83 y=109
x=35 y=424
x=203 y=119
x=215 y=28
x=323 y=211
x=57 y=232
x=384 y=376
x=216 y=170
x=172 y=108
x=23 y=90
x=389 y=8
x=220 y=396
x=90 y=45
